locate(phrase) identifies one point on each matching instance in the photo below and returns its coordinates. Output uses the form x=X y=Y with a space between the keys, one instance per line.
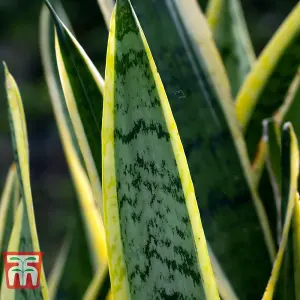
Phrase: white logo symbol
x=22 y=269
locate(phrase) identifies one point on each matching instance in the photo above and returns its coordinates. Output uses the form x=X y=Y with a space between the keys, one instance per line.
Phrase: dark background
x=19 y=48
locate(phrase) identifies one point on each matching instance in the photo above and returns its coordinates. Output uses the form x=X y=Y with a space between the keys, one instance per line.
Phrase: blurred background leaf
x=52 y=189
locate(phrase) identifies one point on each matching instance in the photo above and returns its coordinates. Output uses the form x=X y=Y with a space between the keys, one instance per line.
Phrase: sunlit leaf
x=13 y=245
x=265 y=87
x=7 y=211
x=155 y=241
x=18 y=130
x=82 y=86
x=198 y=92
x=296 y=248
x=78 y=272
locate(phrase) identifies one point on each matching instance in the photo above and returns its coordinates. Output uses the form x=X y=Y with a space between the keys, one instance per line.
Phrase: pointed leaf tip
x=286 y=126
x=5 y=67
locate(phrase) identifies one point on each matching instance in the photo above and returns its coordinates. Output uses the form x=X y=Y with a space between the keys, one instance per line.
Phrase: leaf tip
x=287 y=126
x=5 y=68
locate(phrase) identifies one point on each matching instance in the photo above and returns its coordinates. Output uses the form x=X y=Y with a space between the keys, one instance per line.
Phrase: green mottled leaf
x=265 y=88
x=189 y=66
x=155 y=241
x=82 y=86
x=29 y=238
x=226 y=20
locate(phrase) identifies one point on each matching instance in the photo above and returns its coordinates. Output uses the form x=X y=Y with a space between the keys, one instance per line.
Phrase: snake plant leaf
x=13 y=245
x=283 y=265
x=155 y=240
x=229 y=28
x=18 y=130
x=296 y=248
x=286 y=113
x=272 y=203
x=187 y=61
x=69 y=140
x=57 y=270
x=106 y=9
x=7 y=211
x=225 y=288
x=88 y=228
x=290 y=109
x=82 y=86
x=264 y=89
x=99 y=287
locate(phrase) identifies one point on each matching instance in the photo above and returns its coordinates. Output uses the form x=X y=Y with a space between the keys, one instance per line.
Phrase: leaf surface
x=155 y=241
x=192 y=74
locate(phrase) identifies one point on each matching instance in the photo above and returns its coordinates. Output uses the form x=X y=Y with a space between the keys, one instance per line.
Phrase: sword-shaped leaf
x=296 y=248
x=57 y=270
x=290 y=173
x=106 y=9
x=265 y=87
x=188 y=63
x=13 y=245
x=288 y=112
x=18 y=129
x=99 y=287
x=271 y=140
x=229 y=28
x=82 y=86
x=155 y=241
x=89 y=231
x=7 y=210
x=290 y=109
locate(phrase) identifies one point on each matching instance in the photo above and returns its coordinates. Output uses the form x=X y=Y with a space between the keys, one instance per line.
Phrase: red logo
x=22 y=269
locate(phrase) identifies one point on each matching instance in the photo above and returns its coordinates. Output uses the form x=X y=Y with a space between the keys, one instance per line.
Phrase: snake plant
x=184 y=157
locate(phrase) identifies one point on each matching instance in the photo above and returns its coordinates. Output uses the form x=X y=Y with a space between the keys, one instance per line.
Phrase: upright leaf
x=155 y=241
x=289 y=112
x=271 y=140
x=296 y=248
x=18 y=129
x=88 y=228
x=229 y=28
x=57 y=270
x=290 y=173
x=190 y=68
x=13 y=245
x=265 y=87
x=82 y=86
x=99 y=287
x=7 y=211
x=106 y=9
